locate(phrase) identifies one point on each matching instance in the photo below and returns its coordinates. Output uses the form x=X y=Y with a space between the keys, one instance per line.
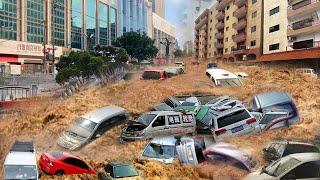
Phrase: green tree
x=178 y=53
x=111 y=53
x=138 y=46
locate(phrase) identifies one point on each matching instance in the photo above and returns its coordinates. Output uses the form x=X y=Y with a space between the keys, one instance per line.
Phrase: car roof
x=153 y=70
x=168 y=140
x=164 y=112
x=119 y=164
x=272 y=98
x=221 y=74
x=63 y=155
x=20 y=158
x=102 y=113
x=219 y=113
x=306 y=157
x=293 y=142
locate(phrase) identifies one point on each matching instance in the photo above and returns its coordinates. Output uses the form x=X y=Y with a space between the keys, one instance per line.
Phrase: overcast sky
x=181 y=13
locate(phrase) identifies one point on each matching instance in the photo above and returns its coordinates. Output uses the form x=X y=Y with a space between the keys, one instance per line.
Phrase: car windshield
x=20 y=172
x=159 y=151
x=125 y=171
x=146 y=119
x=234 y=82
x=82 y=127
x=281 y=166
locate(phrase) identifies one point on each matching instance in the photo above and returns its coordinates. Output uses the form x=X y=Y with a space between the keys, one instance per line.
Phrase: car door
x=74 y=166
x=308 y=170
x=159 y=127
x=272 y=120
x=116 y=120
x=175 y=125
x=101 y=129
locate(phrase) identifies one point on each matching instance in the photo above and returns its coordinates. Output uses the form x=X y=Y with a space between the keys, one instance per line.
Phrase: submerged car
x=307 y=72
x=60 y=163
x=221 y=77
x=21 y=162
x=159 y=123
x=212 y=65
x=154 y=74
x=118 y=170
x=232 y=154
x=91 y=126
x=277 y=108
x=174 y=71
x=280 y=149
x=164 y=149
x=294 y=166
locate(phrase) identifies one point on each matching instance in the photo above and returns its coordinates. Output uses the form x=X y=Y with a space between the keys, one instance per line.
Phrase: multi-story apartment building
x=188 y=47
x=212 y=33
x=304 y=24
x=30 y=28
x=201 y=36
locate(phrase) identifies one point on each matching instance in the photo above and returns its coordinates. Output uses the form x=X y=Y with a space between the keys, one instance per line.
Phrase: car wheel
x=59 y=173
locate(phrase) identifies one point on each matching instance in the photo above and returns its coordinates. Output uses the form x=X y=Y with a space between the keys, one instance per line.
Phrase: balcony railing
x=302 y=24
x=242 y=49
x=240 y=25
x=241 y=12
x=303 y=28
x=239 y=38
x=315 y=44
x=219 y=35
x=302 y=4
x=220 y=15
x=223 y=4
x=240 y=3
x=220 y=25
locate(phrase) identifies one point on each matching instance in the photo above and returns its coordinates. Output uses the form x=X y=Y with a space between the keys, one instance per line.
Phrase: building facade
x=134 y=15
x=163 y=30
x=188 y=47
x=158 y=7
x=32 y=31
x=201 y=35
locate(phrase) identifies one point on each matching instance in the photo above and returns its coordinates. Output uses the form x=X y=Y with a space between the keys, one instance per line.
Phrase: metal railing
x=316 y=44
x=302 y=4
x=303 y=24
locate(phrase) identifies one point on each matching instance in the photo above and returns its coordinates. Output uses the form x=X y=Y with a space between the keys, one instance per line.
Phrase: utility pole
x=53 y=7
x=44 y=44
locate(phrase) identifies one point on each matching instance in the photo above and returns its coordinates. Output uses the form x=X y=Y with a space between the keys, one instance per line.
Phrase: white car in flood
x=221 y=77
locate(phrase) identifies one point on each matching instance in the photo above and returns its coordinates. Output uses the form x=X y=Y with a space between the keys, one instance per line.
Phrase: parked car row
x=163 y=72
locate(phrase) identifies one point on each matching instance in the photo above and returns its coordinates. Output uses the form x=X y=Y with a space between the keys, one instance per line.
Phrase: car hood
x=258 y=176
x=228 y=150
x=68 y=141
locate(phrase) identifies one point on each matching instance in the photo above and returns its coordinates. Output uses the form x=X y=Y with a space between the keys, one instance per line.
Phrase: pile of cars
x=178 y=127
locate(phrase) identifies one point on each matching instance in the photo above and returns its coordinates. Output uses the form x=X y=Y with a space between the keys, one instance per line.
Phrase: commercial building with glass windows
x=134 y=15
x=29 y=29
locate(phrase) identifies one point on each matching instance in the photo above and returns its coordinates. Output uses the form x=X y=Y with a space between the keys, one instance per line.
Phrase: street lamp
x=167 y=44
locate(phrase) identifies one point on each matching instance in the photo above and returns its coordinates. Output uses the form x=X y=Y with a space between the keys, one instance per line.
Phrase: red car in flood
x=60 y=163
x=154 y=74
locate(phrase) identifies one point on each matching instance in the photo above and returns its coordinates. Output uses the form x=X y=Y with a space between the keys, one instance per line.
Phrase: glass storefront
x=35 y=17
x=58 y=27
x=103 y=24
x=76 y=24
x=8 y=19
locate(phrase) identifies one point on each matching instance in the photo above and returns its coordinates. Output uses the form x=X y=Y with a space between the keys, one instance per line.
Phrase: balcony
x=202 y=22
x=219 y=45
x=239 y=38
x=303 y=27
x=240 y=3
x=219 y=35
x=240 y=25
x=220 y=16
x=220 y=25
x=223 y=4
x=308 y=44
x=219 y=55
x=240 y=50
x=241 y=12
x=303 y=8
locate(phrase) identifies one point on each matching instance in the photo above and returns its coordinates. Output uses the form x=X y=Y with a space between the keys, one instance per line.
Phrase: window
x=226 y=50
x=232 y=118
x=160 y=121
x=227 y=39
x=253 y=29
x=274 y=47
x=76 y=162
x=227 y=28
x=299 y=148
x=187 y=118
x=152 y=74
x=274 y=28
x=254 y=14
x=253 y=43
x=274 y=11
x=174 y=120
x=228 y=7
x=305 y=171
x=254 y=1
x=227 y=18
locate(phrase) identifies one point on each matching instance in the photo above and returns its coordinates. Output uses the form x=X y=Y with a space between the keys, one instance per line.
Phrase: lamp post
x=167 y=44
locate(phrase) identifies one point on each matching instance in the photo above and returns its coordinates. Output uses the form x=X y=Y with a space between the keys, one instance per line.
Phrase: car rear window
x=299 y=148
x=56 y=154
x=151 y=75
x=232 y=118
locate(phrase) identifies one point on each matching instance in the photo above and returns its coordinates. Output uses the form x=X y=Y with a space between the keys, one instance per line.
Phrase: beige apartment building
x=212 y=32
x=201 y=36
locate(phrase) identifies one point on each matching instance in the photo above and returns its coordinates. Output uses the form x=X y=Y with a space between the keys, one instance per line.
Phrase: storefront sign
x=29 y=48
